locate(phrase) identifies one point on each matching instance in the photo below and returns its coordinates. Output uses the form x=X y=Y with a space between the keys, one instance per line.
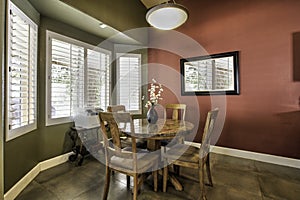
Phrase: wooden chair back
x=208 y=129
x=194 y=157
x=124 y=160
x=176 y=108
x=116 y=108
x=114 y=148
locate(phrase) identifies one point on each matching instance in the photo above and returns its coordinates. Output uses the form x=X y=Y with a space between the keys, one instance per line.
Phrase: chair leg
x=107 y=182
x=165 y=178
x=207 y=163
x=201 y=181
x=128 y=181
x=155 y=178
x=135 y=186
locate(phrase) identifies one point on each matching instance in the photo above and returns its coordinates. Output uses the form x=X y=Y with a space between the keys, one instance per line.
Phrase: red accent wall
x=265 y=117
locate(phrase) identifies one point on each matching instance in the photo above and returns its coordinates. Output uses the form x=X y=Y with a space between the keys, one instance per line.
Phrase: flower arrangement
x=155 y=91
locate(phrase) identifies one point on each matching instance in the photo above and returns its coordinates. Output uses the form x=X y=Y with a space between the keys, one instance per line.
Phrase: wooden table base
x=174 y=181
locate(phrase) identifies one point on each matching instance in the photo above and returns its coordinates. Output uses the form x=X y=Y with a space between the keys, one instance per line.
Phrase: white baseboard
x=52 y=162
x=23 y=182
x=279 y=160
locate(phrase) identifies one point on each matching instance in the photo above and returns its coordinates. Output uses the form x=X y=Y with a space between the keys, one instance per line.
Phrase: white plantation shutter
x=78 y=78
x=22 y=78
x=98 y=79
x=67 y=76
x=129 y=82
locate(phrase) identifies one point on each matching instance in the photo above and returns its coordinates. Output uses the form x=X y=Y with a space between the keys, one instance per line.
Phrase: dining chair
x=116 y=108
x=125 y=140
x=193 y=157
x=176 y=109
x=178 y=113
x=129 y=160
x=119 y=108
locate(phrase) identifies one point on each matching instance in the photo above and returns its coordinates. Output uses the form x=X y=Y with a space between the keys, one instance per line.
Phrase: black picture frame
x=216 y=74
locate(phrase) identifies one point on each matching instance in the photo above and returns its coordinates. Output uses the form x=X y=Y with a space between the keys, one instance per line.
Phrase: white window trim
x=117 y=88
x=49 y=35
x=12 y=134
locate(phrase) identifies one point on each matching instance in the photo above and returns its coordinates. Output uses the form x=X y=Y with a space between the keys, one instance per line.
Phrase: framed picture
x=211 y=74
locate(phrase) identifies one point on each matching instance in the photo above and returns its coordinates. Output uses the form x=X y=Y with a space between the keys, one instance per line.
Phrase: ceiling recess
x=60 y=11
x=150 y=3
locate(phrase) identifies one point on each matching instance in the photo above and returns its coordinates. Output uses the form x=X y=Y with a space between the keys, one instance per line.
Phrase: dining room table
x=162 y=130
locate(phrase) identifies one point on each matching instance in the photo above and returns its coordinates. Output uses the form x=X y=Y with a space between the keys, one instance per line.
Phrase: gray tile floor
x=234 y=178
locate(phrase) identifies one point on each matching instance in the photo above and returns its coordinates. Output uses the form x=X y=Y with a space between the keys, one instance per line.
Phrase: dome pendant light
x=167 y=16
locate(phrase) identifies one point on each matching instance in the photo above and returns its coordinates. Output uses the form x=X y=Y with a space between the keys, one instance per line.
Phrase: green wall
x=25 y=152
x=21 y=154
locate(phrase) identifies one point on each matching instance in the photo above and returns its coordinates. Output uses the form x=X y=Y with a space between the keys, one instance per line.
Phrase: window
x=21 y=75
x=78 y=77
x=129 y=82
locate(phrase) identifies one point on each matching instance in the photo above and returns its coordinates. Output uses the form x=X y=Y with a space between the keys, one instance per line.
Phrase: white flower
x=154 y=95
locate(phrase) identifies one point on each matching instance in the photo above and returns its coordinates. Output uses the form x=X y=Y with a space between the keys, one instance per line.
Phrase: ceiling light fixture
x=167 y=16
x=102 y=25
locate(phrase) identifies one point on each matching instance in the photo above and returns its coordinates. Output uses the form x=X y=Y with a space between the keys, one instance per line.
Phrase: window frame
x=117 y=86
x=49 y=35
x=186 y=62
x=24 y=129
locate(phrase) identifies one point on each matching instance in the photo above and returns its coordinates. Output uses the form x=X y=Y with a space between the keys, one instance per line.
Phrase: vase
x=152 y=116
